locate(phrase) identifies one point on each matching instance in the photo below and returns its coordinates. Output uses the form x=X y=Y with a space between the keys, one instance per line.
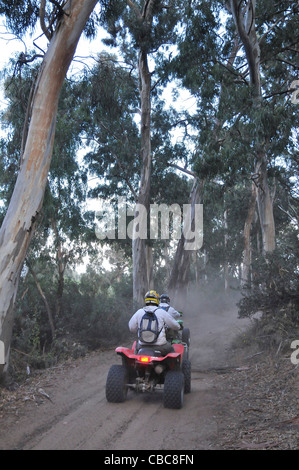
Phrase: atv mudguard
x=131 y=354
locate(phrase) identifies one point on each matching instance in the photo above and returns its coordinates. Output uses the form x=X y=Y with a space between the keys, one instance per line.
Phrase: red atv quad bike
x=146 y=370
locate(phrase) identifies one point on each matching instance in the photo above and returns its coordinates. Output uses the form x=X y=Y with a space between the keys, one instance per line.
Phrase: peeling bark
x=265 y=208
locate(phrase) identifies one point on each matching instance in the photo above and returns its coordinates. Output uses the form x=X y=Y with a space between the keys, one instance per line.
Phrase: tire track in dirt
x=79 y=417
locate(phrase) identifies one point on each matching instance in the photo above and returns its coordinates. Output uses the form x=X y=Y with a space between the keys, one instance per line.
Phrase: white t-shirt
x=164 y=318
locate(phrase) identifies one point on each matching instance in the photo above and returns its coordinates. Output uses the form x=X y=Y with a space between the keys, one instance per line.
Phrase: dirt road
x=77 y=416
x=65 y=407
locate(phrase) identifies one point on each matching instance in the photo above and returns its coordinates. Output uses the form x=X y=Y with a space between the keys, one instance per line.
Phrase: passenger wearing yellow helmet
x=152 y=301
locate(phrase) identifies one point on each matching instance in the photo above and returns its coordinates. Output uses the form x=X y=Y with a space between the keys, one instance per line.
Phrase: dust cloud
x=212 y=317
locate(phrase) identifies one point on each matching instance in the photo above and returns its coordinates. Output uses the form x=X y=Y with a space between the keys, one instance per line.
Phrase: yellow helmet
x=151 y=297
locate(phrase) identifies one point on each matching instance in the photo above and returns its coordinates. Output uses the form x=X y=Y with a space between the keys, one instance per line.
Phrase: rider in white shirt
x=164 y=303
x=152 y=301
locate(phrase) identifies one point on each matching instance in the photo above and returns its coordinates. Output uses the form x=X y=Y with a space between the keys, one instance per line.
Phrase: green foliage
x=121 y=20
x=96 y=308
x=20 y=14
x=96 y=311
x=108 y=121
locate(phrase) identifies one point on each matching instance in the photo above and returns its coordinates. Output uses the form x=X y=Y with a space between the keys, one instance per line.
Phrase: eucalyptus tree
x=141 y=29
x=113 y=135
x=266 y=36
x=108 y=116
x=61 y=228
x=245 y=115
x=62 y=23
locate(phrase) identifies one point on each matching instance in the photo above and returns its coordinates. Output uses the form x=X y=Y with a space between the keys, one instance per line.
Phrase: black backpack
x=149 y=328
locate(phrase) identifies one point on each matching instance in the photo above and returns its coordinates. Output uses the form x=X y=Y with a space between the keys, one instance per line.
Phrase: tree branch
x=249 y=40
x=188 y=172
x=42 y=13
x=134 y=7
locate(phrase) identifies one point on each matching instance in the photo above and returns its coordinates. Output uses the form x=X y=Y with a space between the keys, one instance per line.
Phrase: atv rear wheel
x=174 y=390
x=116 y=389
x=186 y=336
x=186 y=369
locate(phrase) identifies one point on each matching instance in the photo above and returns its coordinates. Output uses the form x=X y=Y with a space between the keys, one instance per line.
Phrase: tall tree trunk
x=246 y=266
x=179 y=276
x=244 y=17
x=140 y=268
x=61 y=265
x=43 y=296
x=150 y=266
x=140 y=258
x=226 y=269
x=265 y=207
x=27 y=199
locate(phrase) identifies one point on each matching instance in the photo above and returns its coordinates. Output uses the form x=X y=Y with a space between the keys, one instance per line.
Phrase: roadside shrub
x=275 y=295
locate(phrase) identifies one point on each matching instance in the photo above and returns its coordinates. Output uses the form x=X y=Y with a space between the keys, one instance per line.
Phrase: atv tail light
x=145 y=359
